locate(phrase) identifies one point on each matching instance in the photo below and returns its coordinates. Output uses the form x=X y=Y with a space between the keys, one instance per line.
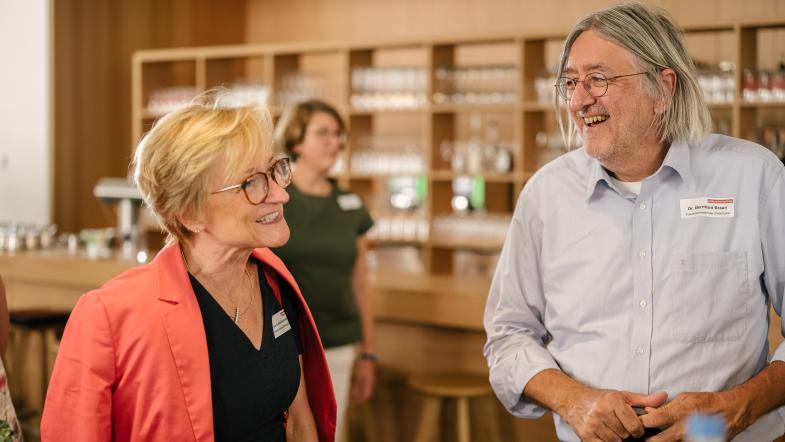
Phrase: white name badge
x=349 y=201
x=280 y=324
x=707 y=208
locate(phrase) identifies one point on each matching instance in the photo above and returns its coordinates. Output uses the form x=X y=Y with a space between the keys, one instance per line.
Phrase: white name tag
x=707 y=207
x=349 y=201
x=280 y=324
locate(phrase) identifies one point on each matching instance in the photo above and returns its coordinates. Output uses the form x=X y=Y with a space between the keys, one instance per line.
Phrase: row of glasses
x=241 y=94
x=479 y=226
x=297 y=86
x=399 y=226
x=476 y=156
x=764 y=85
x=544 y=89
x=475 y=85
x=26 y=236
x=718 y=85
x=168 y=99
x=165 y=100
x=383 y=154
x=394 y=88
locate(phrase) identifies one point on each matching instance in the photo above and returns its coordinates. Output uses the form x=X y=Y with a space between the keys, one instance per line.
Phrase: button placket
x=640 y=338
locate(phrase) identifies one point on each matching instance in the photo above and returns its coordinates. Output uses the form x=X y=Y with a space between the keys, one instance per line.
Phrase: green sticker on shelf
x=478 y=193
x=421 y=188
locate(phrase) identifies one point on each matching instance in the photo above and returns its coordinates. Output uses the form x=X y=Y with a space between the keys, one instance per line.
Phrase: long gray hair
x=656 y=43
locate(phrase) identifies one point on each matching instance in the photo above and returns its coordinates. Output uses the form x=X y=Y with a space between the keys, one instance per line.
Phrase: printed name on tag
x=280 y=324
x=349 y=201
x=707 y=207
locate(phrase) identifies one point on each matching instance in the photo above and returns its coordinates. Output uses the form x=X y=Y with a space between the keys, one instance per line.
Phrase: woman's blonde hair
x=173 y=163
x=290 y=130
x=656 y=43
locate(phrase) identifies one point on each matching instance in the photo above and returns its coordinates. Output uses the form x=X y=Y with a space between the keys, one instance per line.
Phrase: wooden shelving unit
x=432 y=123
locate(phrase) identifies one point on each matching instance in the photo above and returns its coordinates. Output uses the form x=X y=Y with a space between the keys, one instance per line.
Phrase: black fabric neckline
x=266 y=290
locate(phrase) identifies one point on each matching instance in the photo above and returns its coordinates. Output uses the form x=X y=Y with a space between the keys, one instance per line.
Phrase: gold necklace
x=237 y=313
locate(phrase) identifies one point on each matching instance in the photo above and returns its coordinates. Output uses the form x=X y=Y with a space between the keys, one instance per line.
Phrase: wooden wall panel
x=364 y=20
x=93 y=43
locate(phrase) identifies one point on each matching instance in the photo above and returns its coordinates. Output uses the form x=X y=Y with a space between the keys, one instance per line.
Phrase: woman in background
x=212 y=340
x=327 y=252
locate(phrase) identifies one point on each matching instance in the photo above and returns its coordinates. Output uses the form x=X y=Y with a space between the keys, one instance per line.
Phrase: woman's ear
x=192 y=224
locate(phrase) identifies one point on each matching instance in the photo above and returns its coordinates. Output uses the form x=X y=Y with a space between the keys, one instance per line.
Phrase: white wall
x=24 y=111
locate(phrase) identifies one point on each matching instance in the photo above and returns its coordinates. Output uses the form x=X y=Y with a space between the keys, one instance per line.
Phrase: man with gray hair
x=635 y=282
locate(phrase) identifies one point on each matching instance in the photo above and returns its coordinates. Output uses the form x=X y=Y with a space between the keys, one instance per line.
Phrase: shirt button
x=642 y=253
x=643 y=206
x=642 y=304
x=639 y=351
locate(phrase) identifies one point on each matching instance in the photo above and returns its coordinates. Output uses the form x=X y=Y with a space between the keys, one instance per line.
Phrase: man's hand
x=672 y=418
x=607 y=415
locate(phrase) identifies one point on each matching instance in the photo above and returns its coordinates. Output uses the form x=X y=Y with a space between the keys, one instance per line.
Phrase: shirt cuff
x=509 y=377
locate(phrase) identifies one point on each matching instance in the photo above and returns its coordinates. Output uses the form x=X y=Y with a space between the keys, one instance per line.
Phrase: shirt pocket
x=709 y=294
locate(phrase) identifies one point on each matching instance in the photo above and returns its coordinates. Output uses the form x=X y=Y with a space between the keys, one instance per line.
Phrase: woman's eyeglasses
x=257 y=186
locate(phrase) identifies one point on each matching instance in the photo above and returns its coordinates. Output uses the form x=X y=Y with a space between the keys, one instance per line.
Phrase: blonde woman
x=328 y=248
x=211 y=340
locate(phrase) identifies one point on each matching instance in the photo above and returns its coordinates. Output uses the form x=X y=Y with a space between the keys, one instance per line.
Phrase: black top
x=251 y=388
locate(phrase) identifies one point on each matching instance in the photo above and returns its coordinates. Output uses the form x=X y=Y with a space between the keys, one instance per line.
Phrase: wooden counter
x=56 y=279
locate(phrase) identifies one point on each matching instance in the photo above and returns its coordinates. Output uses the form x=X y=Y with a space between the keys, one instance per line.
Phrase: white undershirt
x=632 y=187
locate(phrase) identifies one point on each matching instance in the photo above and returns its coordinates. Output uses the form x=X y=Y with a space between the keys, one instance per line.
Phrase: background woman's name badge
x=707 y=208
x=349 y=201
x=280 y=324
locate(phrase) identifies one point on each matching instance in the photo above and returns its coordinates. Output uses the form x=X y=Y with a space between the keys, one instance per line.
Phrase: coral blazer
x=133 y=363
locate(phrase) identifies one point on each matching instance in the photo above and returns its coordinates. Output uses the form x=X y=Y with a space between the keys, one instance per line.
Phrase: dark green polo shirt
x=321 y=253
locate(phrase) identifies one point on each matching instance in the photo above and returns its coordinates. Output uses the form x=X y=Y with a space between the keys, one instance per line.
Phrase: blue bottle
x=705 y=428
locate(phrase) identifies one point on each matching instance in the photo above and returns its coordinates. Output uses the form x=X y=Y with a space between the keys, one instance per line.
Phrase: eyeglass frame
x=342 y=136
x=268 y=174
x=608 y=81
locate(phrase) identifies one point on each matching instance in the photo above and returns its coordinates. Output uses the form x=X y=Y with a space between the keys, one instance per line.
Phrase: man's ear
x=669 y=78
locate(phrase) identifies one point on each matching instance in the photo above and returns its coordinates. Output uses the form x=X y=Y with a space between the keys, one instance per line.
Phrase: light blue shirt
x=637 y=293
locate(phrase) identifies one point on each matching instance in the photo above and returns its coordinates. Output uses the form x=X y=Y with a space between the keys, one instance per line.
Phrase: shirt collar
x=677 y=158
x=597 y=173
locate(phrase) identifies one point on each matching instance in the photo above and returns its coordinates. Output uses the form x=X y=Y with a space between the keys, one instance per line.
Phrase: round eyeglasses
x=595 y=84
x=257 y=186
x=325 y=134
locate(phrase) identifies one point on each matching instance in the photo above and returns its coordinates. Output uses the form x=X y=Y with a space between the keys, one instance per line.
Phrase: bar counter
x=56 y=278
x=412 y=311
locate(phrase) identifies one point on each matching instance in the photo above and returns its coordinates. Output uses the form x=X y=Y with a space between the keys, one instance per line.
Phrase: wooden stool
x=440 y=387
x=25 y=323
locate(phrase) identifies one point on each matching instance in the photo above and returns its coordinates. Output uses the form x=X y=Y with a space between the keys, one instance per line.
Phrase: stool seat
x=38 y=318
x=440 y=387
x=450 y=385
